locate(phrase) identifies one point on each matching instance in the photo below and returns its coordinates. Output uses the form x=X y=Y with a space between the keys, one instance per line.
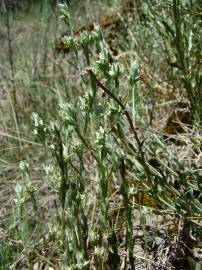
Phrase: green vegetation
x=101 y=144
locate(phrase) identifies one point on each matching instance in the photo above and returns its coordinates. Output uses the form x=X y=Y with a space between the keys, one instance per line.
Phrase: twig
x=119 y=102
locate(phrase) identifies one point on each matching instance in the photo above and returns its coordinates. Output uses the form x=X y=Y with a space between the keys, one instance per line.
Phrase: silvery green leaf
x=69 y=42
x=134 y=72
x=68 y=113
